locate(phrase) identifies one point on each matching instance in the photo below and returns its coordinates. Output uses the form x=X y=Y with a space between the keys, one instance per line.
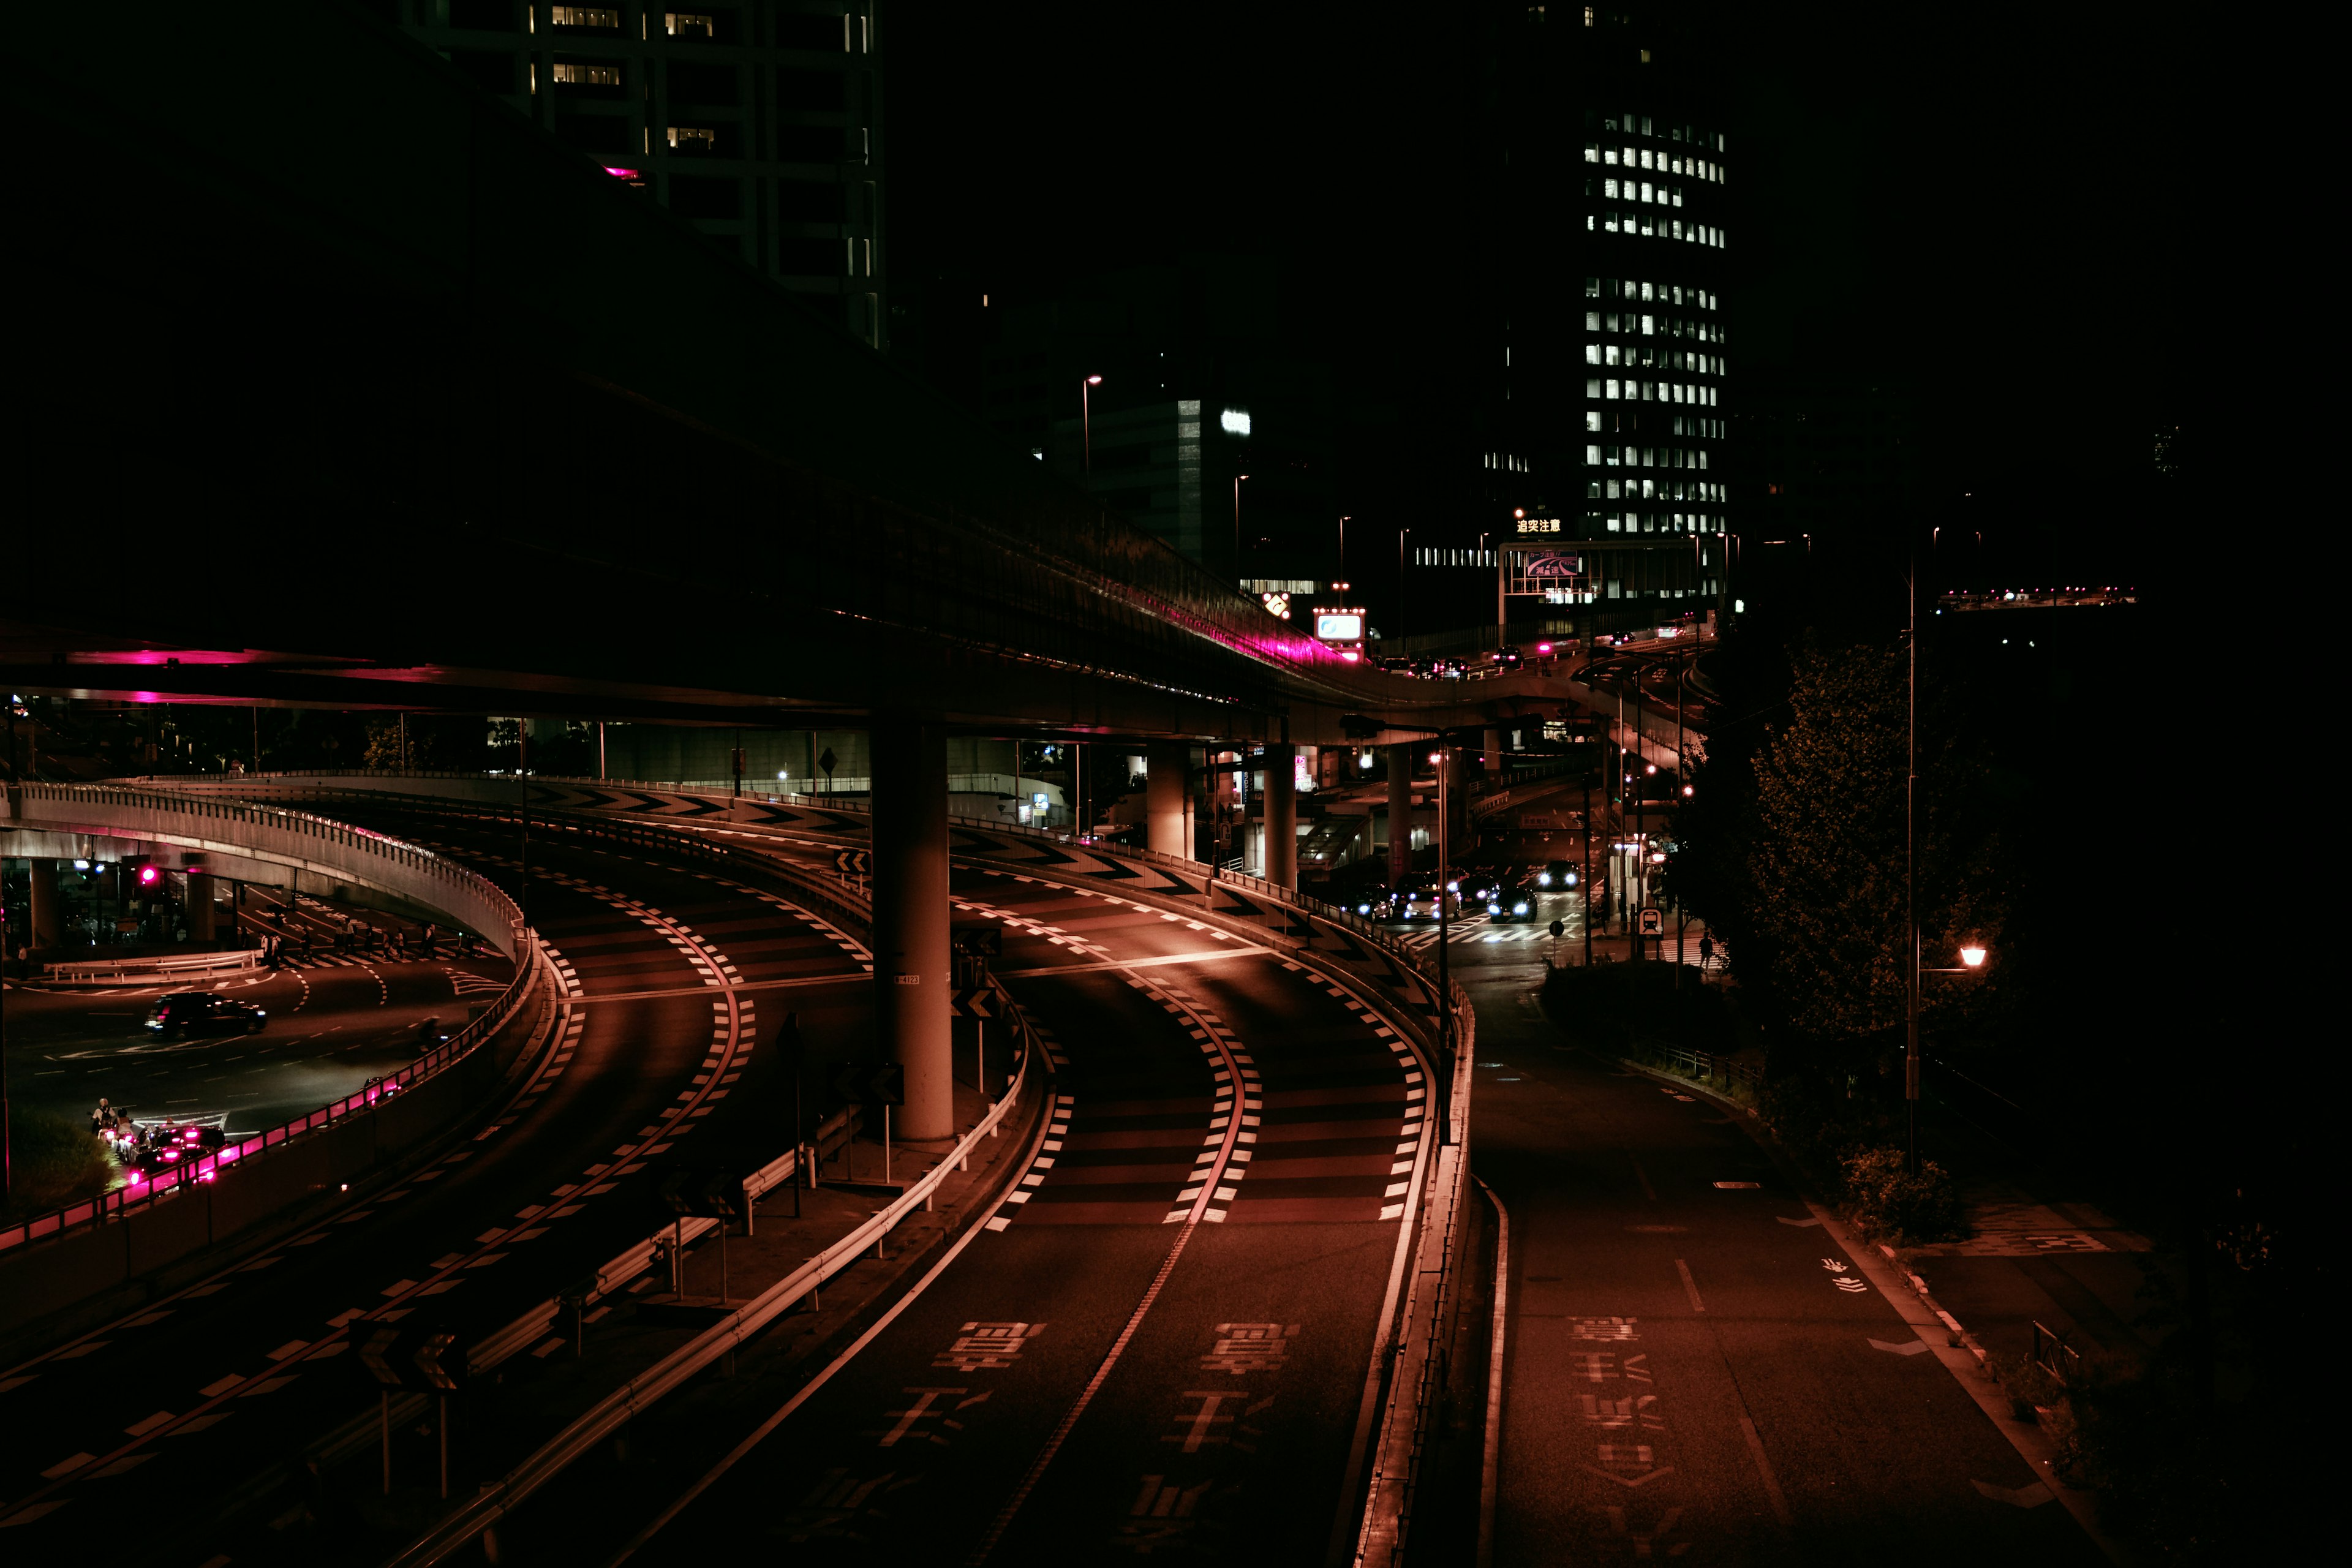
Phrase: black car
x=1372 y=901
x=1557 y=875
x=1477 y=886
x=1512 y=901
x=203 y=1013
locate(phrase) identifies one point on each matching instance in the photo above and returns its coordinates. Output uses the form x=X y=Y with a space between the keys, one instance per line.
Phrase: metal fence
x=1705 y=1067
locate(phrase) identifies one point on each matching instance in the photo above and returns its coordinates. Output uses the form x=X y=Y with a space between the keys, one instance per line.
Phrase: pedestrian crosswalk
x=1458 y=933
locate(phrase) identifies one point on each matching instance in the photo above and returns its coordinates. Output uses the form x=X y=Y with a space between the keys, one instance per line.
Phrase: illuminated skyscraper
x=1610 y=163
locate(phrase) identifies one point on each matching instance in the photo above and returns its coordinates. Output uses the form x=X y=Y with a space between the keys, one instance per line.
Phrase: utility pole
x=522 y=777
x=1585 y=889
x=1445 y=971
x=1681 y=766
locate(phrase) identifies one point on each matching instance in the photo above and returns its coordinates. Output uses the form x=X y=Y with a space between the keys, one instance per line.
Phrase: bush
x=54 y=1160
x=1887 y=1198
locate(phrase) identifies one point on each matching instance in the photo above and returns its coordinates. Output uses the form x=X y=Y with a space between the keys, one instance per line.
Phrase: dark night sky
x=1984 y=205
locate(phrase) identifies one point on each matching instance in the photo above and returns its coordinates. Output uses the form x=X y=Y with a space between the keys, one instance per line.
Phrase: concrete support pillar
x=49 y=911
x=911 y=968
x=1400 y=812
x=1493 y=749
x=1281 y=817
x=1167 y=799
x=199 y=895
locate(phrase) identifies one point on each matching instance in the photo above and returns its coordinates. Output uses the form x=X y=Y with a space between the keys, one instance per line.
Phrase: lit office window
x=1592 y=454
x=1608 y=156
x=1609 y=189
x=1612 y=387
x=1629 y=160
x=1649 y=323
x=1593 y=389
x=1645 y=159
x=1613 y=355
x=587 y=75
x=1591 y=320
x=584 y=16
x=1592 y=422
x=1592 y=353
x=1592 y=287
x=688 y=25
x=1592 y=153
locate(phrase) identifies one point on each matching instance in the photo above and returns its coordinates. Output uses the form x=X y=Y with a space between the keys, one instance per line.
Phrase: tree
x=1825 y=862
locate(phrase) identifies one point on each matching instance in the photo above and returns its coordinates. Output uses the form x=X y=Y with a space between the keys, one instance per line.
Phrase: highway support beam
x=1282 y=815
x=1400 y=812
x=913 y=1026
x=1167 y=797
x=48 y=913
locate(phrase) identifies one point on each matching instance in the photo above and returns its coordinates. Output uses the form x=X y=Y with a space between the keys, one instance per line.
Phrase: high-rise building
x=758 y=120
x=1604 y=413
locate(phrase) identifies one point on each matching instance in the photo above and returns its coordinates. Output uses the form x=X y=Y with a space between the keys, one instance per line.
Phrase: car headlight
x=1493 y=908
x=1544 y=880
x=1571 y=878
x=1519 y=909
x=154 y=1023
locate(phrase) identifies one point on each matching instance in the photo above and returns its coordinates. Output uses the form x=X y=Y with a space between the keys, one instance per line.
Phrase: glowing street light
x=1973 y=956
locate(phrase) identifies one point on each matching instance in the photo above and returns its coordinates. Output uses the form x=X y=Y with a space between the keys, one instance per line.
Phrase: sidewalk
x=2037 y=1253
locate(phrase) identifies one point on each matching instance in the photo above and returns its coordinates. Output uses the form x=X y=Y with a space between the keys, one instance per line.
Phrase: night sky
x=1985 y=209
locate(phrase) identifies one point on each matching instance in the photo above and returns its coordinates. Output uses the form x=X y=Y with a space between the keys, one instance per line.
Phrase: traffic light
x=142 y=871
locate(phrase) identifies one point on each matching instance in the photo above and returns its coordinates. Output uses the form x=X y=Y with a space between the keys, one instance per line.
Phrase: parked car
x=204 y=1013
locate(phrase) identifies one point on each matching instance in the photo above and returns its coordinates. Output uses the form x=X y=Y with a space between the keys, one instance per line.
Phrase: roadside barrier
x=737 y=1328
x=175 y=965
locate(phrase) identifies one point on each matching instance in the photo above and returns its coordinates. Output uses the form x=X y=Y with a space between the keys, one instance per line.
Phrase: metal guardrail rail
x=736 y=1328
x=83 y=972
x=1418 y=1379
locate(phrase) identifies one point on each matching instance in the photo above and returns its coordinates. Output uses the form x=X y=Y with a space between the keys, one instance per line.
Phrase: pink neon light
x=620 y=173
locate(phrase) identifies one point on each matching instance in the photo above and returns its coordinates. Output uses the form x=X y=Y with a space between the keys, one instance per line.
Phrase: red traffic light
x=148 y=875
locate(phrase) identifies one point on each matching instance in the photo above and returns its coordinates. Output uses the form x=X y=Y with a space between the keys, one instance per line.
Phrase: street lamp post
x=1086 y=424
x=1911 y=876
x=1237 y=522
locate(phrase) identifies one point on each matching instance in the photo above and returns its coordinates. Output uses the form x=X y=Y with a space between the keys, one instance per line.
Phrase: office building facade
x=1606 y=415
x=758 y=121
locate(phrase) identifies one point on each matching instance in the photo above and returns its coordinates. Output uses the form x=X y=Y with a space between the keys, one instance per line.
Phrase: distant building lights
x=1234 y=422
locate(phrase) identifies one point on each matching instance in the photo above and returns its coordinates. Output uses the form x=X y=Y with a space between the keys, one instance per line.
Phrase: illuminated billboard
x=1339 y=626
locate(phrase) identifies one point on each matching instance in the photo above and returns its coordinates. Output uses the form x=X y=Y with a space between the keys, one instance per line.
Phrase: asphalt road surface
x=1163 y=1340
x=166 y=1415
x=335 y=1021
x=1695 y=1368
x=1160 y=1348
